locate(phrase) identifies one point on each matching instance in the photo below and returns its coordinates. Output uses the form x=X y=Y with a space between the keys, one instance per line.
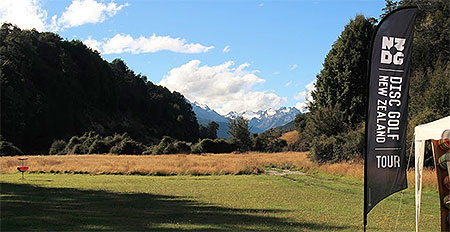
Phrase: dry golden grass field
x=208 y=164
x=290 y=137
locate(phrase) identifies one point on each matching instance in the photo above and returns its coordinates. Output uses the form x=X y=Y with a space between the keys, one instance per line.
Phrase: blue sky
x=274 y=48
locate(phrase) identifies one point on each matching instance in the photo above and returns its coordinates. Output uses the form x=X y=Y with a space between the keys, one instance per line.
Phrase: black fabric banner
x=390 y=60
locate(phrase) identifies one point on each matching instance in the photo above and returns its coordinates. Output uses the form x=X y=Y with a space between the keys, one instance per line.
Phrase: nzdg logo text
x=392 y=50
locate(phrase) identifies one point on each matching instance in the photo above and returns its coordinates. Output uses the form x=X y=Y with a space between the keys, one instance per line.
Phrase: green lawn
x=206 y=203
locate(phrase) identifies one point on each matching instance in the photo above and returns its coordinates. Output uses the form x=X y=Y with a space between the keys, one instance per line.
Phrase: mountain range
x=258 y=121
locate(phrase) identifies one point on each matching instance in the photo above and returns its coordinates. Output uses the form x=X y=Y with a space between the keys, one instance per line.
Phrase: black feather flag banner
x=390 y=61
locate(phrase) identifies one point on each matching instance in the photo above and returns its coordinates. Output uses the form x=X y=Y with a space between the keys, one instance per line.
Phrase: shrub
x=328 y=137
x=8 y=148
x=169 y=149
x=127 y=146
x=168 y=146
x=71 y=144
x=223 y=146
x=345 y=146
x=208 y=146
x=112 y=141
x=181 y=147
x=213 y=146
x=323 y=149
x=58 y=148
x=165 y=146
x=88 y=139
x=82 y=144
x=299 y=145
x=353 y=143
x=99 y=146
x=197 y=148
x=149 y=150
x=77 y=149
x=92 y=143
x=269 y=141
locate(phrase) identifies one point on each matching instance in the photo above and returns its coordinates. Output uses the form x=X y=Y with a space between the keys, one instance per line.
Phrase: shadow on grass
x=27 y=207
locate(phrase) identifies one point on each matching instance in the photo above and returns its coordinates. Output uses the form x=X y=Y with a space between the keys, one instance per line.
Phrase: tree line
x=93 y=143
x=240 y=141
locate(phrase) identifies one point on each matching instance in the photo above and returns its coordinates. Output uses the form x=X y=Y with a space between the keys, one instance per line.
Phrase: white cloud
x=27 y=14
x=226 y=49
x=222 y=87
x=88 y=11
x=302 y=106
x=261 y=4
x=301 y=95
x=92 y=43
x=122 y=43
x=307 y=93
x=289 y=83
x=305 y=96
x=293 y=67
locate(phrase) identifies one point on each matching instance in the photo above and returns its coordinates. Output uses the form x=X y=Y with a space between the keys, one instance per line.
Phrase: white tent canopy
x=432 y=130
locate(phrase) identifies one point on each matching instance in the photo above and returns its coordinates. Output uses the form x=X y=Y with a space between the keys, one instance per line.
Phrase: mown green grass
x=58 y=202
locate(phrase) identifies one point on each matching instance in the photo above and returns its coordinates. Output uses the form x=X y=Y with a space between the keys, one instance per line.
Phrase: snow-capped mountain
x=232 y=115
x=259 y=121
x=204 y=112
x=263 y=120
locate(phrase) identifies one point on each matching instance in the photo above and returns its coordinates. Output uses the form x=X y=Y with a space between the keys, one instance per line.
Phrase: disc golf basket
x=22 y=168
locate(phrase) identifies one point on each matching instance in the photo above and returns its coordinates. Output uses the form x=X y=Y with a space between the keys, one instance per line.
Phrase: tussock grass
x=209 y=164
x=290 y=137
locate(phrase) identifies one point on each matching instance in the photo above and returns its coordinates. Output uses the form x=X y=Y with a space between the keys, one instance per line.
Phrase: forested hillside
x=54 y=89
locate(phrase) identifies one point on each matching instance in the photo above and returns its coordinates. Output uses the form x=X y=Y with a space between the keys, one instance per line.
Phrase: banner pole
x=366 y=128
x=365 y=222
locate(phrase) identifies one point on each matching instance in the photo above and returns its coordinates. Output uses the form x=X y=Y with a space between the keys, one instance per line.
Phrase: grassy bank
x=201 y=203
